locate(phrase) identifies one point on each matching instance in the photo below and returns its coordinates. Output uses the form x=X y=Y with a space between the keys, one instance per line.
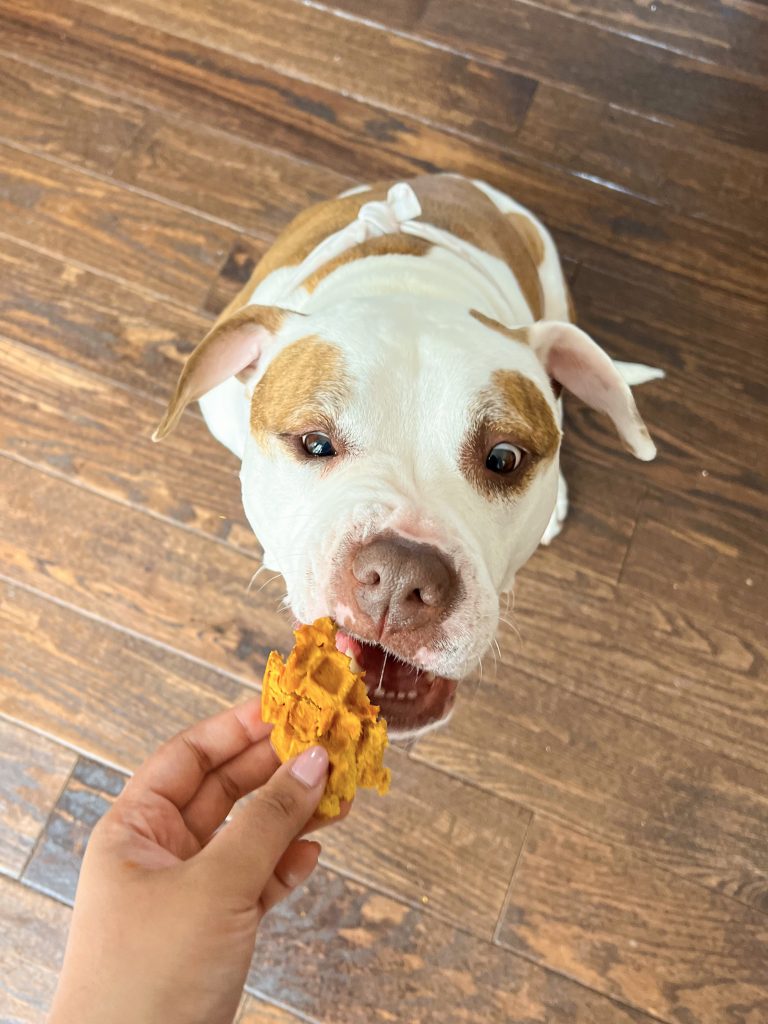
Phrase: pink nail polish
x=311 y=766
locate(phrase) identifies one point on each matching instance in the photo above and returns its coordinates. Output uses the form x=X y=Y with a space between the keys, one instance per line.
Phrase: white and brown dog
x=389 y=378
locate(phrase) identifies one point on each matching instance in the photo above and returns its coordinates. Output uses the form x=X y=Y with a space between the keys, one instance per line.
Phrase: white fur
x=417 y=360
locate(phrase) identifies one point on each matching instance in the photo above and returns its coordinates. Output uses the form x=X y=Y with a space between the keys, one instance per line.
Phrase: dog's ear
x=576 y=362
x=230 y=349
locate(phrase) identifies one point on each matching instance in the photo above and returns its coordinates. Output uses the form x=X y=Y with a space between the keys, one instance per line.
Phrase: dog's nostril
x=369 y=578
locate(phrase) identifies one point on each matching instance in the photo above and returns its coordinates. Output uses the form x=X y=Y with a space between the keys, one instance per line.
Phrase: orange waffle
x=316 y=698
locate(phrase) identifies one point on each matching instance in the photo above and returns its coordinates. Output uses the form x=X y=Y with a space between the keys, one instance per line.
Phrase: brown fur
x=385 y=245
x=449 y=203
x=532 y=240
x=511 y=409
x=513 y=333
x=303 y=388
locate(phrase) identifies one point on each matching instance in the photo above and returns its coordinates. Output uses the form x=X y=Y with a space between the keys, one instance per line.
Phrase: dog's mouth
x=409 y=698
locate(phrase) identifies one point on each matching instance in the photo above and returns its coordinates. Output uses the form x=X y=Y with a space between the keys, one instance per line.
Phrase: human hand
x=167 y=908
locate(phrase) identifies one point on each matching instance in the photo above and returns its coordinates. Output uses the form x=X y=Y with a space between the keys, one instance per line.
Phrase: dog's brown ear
x=231 y=349
x=578 y=363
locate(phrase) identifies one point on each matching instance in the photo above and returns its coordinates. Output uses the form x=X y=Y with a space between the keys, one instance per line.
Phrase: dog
x=390 y=379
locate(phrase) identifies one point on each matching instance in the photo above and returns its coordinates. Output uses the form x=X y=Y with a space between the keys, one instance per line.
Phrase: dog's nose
x=403 y=584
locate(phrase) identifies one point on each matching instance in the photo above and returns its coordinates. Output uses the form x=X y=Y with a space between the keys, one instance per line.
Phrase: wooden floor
x=587 y=842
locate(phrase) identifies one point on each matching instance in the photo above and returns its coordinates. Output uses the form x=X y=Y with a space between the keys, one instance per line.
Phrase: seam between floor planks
x=607 y=27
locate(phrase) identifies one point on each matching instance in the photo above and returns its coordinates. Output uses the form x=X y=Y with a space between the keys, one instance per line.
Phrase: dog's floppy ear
x=576 y=362
x=230 y=349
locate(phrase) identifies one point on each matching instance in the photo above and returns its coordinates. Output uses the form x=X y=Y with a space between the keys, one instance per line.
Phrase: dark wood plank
x=33 y=771
x=370 y=143
x=101 y=441
x=620 y=925
x=250 y=186
x=106 y=693
x=64 y=119
x=55 y=866
x=651 y=659
x=724 y=184
x=173 y=586
x=117 y=698
x=298 y=40
x=178 y=159
x=429 y=820
x=66 y=212
x=343 y=954
x=98 y=324
x=586 y=57
x=731 y=36
x=608 y=775
x=709 y=562
x=32 y=942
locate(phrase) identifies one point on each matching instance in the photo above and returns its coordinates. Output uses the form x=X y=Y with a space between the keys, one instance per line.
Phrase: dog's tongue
x=348 y=645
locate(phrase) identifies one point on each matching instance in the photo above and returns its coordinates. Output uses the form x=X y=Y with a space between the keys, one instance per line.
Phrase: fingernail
x=311 y=766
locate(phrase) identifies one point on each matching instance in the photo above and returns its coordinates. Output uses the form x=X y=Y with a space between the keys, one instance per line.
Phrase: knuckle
x=198 y=752
x=279 y=802
x=229 y=786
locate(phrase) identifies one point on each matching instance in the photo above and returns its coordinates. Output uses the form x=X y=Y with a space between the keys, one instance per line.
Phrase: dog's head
x=401 y=465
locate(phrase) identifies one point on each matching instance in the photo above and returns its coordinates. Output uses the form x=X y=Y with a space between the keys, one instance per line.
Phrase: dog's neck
x=455 y=271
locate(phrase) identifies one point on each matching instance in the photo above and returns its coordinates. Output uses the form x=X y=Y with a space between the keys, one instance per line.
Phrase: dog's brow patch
x=512 y=407
x=303 y=387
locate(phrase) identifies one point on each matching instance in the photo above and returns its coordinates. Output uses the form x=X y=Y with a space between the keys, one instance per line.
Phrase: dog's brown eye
x=318 y=445
x=504 y=458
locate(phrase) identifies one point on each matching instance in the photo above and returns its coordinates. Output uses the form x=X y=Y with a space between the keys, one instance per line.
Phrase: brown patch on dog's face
x=513 y=333
x=303 y=389
x=511 y=409
x=384 y=245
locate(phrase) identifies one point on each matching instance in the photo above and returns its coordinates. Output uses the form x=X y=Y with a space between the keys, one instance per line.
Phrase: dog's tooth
x=429 y=676
x=354 y=664
x=401 y=695
x=412 y=695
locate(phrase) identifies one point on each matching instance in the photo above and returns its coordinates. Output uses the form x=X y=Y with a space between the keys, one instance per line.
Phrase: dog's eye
x=504 y=458
x=318 y=445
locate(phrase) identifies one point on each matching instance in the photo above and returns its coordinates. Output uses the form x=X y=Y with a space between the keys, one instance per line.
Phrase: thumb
x=244 y=853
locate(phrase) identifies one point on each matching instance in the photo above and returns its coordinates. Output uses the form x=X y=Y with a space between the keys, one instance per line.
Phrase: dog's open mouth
x=410 y=699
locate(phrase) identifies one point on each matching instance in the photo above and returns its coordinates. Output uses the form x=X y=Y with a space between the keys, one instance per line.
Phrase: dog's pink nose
x=402 y=584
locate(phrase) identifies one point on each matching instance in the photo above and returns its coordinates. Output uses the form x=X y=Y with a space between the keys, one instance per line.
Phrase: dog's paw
x=555 y=524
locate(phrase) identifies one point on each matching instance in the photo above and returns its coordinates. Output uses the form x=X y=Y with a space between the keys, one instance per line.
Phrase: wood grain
x=592 y=59
x=658 y=663
x=106 y=693
x=702 y=560
x=345 y=955
x=620 y=925
x=189 y=479
x=608 y=775
x=731 y=36
x=32 y=773
x=69 y=213
x=32 y=942
x=80 y=316
x=568 y=204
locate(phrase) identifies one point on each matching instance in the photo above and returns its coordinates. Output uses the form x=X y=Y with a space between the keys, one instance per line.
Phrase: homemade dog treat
x=316 y=698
